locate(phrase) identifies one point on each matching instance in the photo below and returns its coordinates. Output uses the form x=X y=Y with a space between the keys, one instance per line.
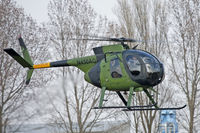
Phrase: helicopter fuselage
x=118 y=71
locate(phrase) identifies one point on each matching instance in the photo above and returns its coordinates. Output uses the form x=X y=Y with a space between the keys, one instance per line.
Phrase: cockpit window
x=115 y=69
x=152 y=65
x=133 y=65
x=145 y=68
x=147 y=60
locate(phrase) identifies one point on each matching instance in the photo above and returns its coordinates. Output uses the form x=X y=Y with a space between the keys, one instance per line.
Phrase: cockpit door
x=115 y=69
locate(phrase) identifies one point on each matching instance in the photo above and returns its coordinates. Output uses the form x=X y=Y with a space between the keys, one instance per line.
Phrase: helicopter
x=114 y=67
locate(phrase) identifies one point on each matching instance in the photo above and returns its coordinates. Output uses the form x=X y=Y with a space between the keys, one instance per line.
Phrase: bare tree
x=148 y=21
x=125 y=14
x=184 y=55
x=74 y=19
x=14 y=95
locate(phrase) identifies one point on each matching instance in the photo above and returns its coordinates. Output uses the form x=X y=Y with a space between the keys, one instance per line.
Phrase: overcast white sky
x=38 y=8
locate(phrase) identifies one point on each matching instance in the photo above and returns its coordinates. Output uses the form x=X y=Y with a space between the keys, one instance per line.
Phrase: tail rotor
x=25 y=62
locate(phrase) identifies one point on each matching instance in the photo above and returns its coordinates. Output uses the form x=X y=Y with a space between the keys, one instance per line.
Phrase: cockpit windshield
x=144 y=67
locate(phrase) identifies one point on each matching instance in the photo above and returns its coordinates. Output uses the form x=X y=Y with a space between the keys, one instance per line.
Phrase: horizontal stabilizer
x=17 y=57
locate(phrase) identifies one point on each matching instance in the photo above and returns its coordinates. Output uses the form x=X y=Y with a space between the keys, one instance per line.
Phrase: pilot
x=134 y=65
x=116 y=70
x=132 y=61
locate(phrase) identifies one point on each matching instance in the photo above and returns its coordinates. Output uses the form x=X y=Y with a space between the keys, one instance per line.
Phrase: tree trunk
x=1 y=122
x=191 y=123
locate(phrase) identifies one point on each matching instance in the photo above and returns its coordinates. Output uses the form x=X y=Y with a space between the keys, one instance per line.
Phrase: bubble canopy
x=143 y=67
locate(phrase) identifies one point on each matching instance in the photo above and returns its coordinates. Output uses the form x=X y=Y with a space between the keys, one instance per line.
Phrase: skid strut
x=102 y=96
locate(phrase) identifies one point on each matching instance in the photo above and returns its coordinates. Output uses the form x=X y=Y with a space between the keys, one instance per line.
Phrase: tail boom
x=83 y=63
x=51 y=64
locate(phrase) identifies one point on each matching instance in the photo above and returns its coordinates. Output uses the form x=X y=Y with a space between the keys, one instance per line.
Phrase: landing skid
x=123 y=107
x=143 y=109
x=139 y=108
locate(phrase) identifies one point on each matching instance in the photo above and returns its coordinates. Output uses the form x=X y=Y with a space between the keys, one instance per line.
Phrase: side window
x=115 y=69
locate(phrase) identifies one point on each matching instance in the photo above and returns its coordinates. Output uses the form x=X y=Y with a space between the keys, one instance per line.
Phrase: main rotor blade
x=89 y=39
x=123 y=107
x=122 y=39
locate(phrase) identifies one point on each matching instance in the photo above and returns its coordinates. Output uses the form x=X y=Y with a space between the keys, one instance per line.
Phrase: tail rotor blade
x=17 y=57
x=25 y=51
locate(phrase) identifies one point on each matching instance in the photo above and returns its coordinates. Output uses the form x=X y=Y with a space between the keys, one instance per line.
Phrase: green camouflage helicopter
x=113 y=68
